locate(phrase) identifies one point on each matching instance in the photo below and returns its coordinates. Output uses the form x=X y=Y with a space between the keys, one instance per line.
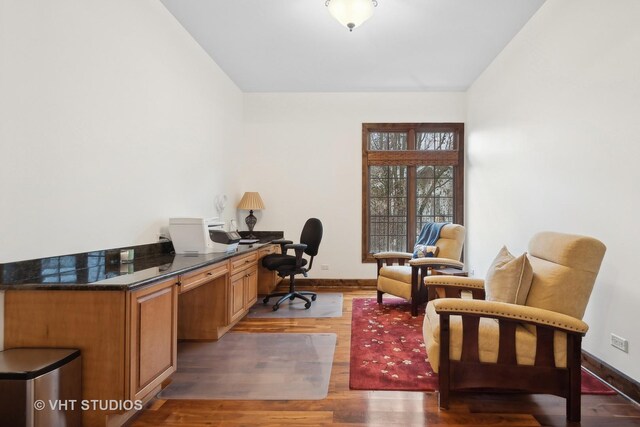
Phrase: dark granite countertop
x=263 y=236
x=102 y=270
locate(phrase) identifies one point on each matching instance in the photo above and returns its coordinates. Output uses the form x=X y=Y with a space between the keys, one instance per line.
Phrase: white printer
x=201 y=236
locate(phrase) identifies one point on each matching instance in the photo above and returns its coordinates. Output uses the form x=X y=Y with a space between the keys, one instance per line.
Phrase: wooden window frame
x=411 y=158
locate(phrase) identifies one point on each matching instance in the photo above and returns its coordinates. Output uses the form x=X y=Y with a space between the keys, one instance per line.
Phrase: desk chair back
x=311 y=236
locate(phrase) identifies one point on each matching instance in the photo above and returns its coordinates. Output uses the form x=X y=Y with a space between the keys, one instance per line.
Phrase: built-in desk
x=214 y=298
x=127 y=323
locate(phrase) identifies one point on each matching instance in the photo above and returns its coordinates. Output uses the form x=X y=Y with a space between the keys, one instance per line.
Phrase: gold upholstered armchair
x=400 y=275
x=527 y=334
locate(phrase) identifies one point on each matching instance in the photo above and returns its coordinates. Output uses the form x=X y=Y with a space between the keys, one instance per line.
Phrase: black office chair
x=289 y=265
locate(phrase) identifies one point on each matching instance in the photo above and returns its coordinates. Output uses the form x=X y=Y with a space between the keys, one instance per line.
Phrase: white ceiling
x=408 y=45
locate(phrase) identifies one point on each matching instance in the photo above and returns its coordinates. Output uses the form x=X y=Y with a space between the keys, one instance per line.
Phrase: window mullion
x=411 y=207
x=411 y=194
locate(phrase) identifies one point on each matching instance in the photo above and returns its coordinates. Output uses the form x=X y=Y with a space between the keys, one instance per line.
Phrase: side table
x=445 y=271
x=449 y=271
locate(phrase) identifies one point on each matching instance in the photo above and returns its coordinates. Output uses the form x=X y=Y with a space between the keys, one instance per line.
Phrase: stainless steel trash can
x=40 y=387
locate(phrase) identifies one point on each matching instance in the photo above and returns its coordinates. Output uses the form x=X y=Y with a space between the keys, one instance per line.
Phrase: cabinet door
x=251 y=287
x=152 y=337
x=236 y=296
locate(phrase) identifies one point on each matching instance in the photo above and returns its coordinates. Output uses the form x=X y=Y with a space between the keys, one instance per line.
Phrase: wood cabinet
x=213 y=299
x=241 y=262
x=243 y=292
x=152 y=337
x=251 y=288
x=243 y=286
x=236 y=296
x=127 y=338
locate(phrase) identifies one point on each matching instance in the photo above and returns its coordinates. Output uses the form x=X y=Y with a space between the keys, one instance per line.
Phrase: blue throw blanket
x=429 y=235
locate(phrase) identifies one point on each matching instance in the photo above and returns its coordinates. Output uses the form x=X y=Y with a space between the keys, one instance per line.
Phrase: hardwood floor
x=378 y=408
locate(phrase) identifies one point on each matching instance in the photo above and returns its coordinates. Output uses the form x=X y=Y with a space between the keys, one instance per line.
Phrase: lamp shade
x=351 y=13
x=251 y=201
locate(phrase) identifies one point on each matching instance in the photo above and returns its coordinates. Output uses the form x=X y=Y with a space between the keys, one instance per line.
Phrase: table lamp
x=251 y=201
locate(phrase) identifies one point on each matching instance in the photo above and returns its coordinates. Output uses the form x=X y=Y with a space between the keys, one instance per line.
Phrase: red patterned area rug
x=388 y=352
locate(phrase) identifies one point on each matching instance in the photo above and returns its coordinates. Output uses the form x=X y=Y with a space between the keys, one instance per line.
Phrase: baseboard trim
x=611 y=375
x=334 y=283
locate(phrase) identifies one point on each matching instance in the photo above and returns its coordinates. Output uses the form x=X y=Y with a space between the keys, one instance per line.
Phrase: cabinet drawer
x=268 y=250
x=199 y=277
x=245 y=261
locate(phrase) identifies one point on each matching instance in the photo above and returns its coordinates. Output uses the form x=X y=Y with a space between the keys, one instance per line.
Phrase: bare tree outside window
x=412 y=174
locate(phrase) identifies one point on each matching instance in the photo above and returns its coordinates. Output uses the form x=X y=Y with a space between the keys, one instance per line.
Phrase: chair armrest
x=389 y=258
x=282 y=243
x=296 y=247
x=501 y=310
x=299 y=249
x=394 y=255
x=436 y=262
x=453 y=287
x=454 y=281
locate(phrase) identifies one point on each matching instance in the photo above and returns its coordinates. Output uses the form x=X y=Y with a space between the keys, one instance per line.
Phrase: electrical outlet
x=324 y=267
x=620 y=343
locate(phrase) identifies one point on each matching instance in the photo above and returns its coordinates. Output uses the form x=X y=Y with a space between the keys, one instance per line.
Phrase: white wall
x=112 y=119
x=304 y=156
x=553 y=144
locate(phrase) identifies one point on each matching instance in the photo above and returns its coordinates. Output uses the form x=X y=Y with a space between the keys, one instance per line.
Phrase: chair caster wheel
x=276 y=307
x=313 y=297
x=307 y=305
x=266 y=300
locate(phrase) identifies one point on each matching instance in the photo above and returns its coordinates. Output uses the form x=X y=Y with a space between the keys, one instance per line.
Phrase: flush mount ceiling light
x=351 y=13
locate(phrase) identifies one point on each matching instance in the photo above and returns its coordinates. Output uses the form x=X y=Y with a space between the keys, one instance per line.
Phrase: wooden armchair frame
x=470 y=373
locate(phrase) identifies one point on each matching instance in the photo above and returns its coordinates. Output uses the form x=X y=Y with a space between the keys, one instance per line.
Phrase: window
x=411 y=174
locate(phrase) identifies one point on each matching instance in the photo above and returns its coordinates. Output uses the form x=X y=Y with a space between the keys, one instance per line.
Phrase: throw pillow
x=424 y=251
x=509 y=278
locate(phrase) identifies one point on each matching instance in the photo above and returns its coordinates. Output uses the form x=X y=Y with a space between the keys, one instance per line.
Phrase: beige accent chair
x=536 y=347
x=400 y=275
